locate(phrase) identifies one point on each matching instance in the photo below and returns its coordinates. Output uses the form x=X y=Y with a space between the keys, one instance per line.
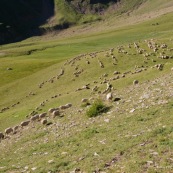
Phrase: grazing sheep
x=87 y=62
x=8 y=130
x=51 y=110
x=116 y=72
x=43 y=121
x=136 y=46
x=159 y=66
x=42 y=115
x=95 y=88
x=1 y=135
x=55 y=113
x=163 y=46
x=135 y=82
x=24 y=123
x=68 y=105
x=109 y=96
x=84 y=100
x=35 y=117
x=15 y=128
x=63 y=107
x=101 y=64
x=86 y=86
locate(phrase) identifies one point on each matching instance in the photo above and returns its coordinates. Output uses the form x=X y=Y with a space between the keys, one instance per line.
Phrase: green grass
x=74 y=140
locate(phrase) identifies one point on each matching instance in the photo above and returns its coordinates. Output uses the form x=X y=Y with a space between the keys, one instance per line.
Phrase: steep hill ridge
x=26 y=18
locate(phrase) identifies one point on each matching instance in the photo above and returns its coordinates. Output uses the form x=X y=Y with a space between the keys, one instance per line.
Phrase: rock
x=26 y=167
x=34 y=168
x=117 y=99
x=51 y=161
x=131 y=111
x=149 y=163
x=95 y=154
x=106 y=120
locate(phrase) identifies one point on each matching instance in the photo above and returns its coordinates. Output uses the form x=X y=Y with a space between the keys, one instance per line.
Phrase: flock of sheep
x=53 y=112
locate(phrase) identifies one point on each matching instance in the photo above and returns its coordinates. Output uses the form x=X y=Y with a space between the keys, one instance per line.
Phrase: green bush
x=96 y=109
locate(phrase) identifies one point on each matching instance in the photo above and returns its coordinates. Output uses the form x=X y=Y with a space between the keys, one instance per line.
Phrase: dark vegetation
x=97 y=108
x=23 y=18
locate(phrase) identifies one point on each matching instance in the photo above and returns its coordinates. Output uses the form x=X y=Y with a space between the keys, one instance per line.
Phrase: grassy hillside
x=133 y=135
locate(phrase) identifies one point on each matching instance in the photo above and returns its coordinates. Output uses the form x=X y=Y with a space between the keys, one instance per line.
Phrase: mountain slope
x=129 y=56
x=26 y=18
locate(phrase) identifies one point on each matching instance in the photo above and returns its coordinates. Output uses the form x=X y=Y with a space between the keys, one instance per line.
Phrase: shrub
x=96 y=109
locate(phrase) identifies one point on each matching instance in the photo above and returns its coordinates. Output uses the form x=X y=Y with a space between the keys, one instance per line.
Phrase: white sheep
x=8 y=130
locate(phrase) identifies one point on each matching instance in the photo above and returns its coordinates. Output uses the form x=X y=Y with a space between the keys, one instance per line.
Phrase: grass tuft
x=97 y=108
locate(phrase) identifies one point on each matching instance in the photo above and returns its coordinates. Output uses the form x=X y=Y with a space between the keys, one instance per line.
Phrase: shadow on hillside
x=22 y=19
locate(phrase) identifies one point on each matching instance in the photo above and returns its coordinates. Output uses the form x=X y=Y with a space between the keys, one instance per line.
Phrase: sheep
x=35 y=117
x=109 y=96
x=136 y=46
x=68 y=105
x=42 y=115
x=51 y=110
x=159 y=66
x=24 y=123
x=15 y=128
x=109 y=88
x=55 y=113
x=135 y=82
x=63 y=107
x=86 y=87
x=8 y=130
x=116 y=72
x=84 y=100
x=101 y=64
x=43 y=121
x=163 y=46
x=87 y=62
x=95 y=88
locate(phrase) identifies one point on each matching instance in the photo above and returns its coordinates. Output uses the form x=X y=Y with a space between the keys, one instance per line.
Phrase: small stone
x=95 y=154
x=149 y=162
x=81 y=158
x=131 y=111
x=50 y=161
x=26 y=167
x=154 y=153
x=106 y=120
x=64 y=153
x=34 y=168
